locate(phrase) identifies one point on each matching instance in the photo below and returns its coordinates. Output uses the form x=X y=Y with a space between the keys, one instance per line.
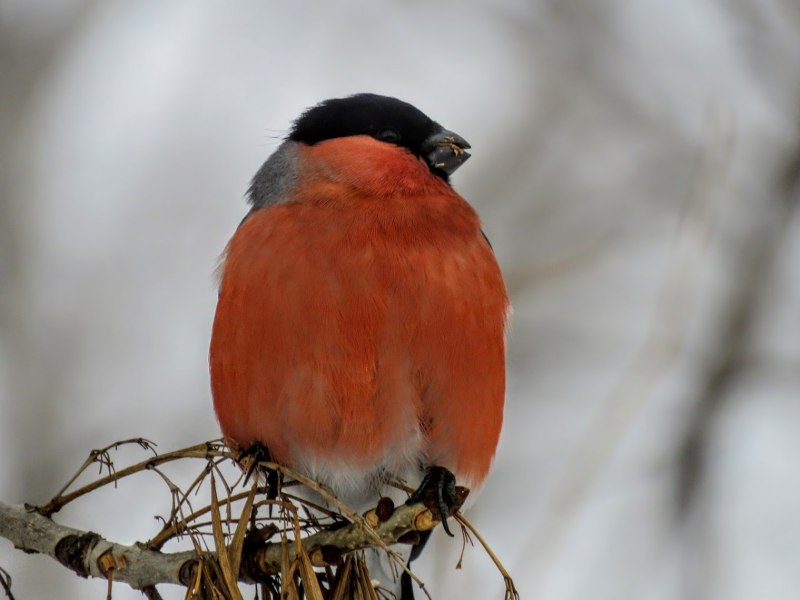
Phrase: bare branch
x=81 y=551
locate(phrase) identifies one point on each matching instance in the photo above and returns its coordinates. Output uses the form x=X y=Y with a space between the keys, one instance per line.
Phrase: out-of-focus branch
x=755 y=256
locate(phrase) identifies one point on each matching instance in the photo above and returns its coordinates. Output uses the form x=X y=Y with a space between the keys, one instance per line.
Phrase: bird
x=361 y=323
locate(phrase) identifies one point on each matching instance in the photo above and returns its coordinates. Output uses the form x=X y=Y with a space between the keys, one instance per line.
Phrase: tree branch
x=249 y=547
x=90 y=555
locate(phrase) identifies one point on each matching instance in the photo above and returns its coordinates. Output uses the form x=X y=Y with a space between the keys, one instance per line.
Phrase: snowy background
x=637 y=166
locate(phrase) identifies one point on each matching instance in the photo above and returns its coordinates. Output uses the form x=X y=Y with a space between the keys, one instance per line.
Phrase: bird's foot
x=251 y=458
x=438 y=491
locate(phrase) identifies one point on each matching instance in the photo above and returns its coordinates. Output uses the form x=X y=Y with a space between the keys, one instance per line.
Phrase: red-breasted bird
x=360 y=329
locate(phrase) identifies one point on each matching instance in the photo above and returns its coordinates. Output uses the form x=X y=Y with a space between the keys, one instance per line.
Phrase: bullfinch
x=360 y=329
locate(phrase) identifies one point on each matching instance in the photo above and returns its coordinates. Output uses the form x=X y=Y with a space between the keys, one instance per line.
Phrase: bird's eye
x=388 y=135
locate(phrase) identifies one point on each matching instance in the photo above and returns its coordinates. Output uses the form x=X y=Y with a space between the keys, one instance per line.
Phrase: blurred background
x=637 y=167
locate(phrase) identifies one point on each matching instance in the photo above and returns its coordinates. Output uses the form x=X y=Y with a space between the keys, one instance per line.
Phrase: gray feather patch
x=275 y=179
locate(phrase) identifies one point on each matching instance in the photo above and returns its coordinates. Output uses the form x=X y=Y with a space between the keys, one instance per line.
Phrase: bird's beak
x=445 y=151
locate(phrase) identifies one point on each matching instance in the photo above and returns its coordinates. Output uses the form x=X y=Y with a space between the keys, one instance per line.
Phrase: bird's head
x=379 y=144
x=387 y=120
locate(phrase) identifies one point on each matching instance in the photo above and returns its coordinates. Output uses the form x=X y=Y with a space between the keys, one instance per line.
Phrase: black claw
x=258 y=453
x=438 y=492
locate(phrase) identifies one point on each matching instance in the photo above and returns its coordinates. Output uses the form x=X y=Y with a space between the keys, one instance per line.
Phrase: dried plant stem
x=204 y=451
x=511 y=590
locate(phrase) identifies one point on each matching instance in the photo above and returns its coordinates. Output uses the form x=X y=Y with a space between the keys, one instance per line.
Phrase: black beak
x=445 y=151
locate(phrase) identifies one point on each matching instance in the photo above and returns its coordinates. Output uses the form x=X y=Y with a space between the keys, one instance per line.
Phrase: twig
x=101 y=455
x=204 y=451
x=511 y=590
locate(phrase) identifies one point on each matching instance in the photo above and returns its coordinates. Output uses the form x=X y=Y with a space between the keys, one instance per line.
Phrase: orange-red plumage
x=361 y=322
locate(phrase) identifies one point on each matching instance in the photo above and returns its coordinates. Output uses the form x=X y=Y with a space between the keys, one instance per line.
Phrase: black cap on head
x=388 y=120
